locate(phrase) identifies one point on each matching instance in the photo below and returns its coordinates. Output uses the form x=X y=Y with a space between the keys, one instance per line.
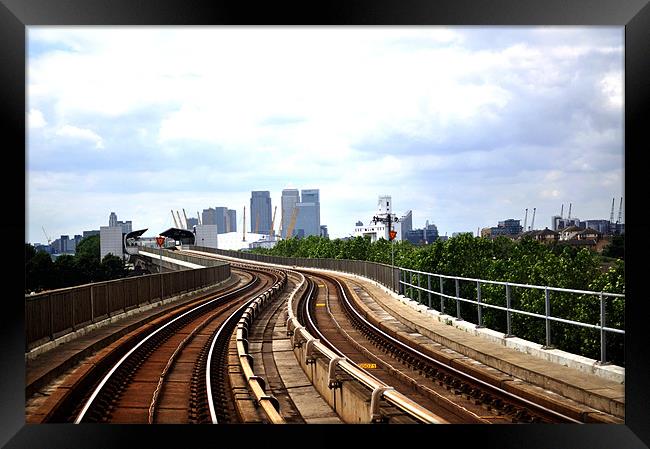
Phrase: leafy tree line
x=85 y=266
x=501 y=259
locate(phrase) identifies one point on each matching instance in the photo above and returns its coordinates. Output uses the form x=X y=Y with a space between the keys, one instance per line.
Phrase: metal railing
x=54 y=313
x=418 y=290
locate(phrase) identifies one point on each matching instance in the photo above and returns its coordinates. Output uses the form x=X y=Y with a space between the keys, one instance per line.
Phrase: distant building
x=288 y=201
x=323 y=231
x=424 y=236
x=231 y=221
x=558 y=223
x=206 y=235
x=602 y=226
x=308 y=215
x=86 y=234
x=111 y=237
x=110 y=241
x=406 y=224
x=209 y=216
x=359 y=223
x=508 y=228
x=547 y=236
x=221 y=214
x=379 y=230
x=261 y=212
x=191 y=222
x=457 y=234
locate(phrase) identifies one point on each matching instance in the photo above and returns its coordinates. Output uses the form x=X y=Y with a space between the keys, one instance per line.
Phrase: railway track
x=329 y=312
x=170 y=370
x=470 y=392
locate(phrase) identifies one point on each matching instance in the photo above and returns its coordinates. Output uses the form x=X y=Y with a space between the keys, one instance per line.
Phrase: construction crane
x=525 y=219
x=175 y=223
x=198 y=217
x=185 y=216
x=532 y=223
x=47 y=237
x=292 y=222
x=272 y=234
x=244 y=226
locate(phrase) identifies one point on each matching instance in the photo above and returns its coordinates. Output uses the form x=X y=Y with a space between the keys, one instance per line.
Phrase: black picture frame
x=634 y=15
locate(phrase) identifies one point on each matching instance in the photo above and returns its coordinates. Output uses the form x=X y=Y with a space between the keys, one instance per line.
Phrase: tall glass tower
x=261 y=211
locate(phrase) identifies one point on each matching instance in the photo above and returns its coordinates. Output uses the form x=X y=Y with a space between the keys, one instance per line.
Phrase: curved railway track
x=459 y=393
x=171 y=369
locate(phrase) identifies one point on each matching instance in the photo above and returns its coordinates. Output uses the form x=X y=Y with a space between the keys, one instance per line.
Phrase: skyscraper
x=221 y=214
x=209 y=216
x=231 y=221
x=290 y=197
x=261 y=212
x=308 y=218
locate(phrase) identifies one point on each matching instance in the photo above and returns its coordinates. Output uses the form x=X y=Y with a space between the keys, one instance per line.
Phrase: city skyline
x=465 y=126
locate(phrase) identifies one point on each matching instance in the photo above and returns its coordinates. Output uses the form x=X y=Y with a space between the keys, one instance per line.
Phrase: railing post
x=457 y=299
x=49 y=297
x=478 y=306
x=419 y=289
x=92 y=304
x=603 y=338
x=429 y=288
x=547 y=301
x=442 y=298
x=508 y=313
x=411 y=284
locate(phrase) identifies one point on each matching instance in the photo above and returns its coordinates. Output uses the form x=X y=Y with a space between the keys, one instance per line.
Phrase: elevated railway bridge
x=228 y=337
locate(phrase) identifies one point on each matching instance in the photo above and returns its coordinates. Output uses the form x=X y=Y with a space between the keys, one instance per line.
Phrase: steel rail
x=268 y=403
x=395 y=398
x=108 y=376
x=490 y=387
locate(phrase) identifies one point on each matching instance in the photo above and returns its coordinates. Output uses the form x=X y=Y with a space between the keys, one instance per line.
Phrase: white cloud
x=35 y=119
x=81 y=133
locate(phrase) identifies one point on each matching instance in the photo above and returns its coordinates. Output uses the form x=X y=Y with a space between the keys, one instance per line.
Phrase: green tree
x=39 y=272
x=616 y=247
x=113 y=267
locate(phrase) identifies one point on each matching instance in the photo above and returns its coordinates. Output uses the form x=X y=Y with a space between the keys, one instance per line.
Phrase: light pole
x=389 y=220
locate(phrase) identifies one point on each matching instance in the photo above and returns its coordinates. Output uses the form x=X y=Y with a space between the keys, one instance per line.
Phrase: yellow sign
x=320 y=305
x=367 y=365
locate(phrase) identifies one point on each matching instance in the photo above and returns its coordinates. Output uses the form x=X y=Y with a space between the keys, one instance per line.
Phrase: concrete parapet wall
x=351 y=401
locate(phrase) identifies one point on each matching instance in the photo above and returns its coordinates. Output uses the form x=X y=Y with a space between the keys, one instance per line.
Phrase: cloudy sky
x=465 y=126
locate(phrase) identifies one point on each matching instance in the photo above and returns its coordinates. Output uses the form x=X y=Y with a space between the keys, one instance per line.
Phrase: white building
x=379 y=230
x=206 y=235
x=110 y=241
